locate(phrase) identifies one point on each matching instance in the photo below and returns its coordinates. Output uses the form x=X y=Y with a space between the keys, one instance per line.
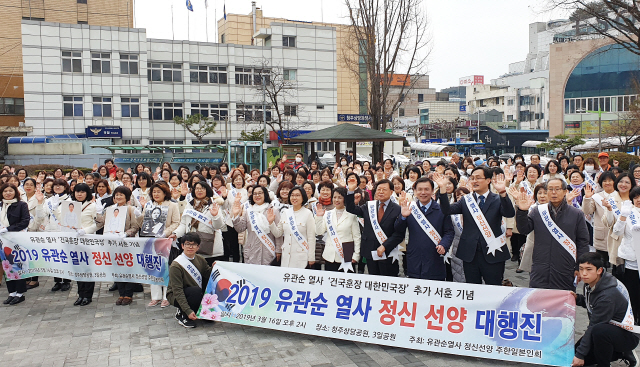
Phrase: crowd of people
x=458 y=221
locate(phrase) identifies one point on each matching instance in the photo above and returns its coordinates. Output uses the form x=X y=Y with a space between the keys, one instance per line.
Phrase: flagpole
x=173 y=33
x=188 y=25
x=206 y=18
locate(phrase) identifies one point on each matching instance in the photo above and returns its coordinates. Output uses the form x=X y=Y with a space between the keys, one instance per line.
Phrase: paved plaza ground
x=47 y=330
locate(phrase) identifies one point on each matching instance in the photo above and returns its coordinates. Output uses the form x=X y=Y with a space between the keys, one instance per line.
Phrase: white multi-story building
x=78 y=76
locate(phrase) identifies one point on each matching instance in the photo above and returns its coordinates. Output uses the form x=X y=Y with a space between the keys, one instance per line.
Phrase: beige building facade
x=117 y=13
x=352 y=98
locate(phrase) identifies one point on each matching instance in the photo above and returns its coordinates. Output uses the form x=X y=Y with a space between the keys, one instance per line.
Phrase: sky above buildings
x=468 y=37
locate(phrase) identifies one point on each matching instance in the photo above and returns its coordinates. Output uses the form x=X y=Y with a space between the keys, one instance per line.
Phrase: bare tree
x=280 y=94
x=616 y=20
x=388 y=36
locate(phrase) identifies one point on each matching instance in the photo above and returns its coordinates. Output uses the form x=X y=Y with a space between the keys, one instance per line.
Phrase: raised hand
x=508 y=175
x=112 y=178
x=403 y=198
x=237 y=198
x=271 y=215
x=369 y=185
x=39 y=196
x=440 y=180
x=284 y=158
x=184 y=189
x=143 y=201
x=279 y=178
x=572 y=195
x=524 y=201
x=406 y=207
x=499 y=183
x=214 y=209
x=175 y=193
x=155 y=176
x=606 y=204
x=270 y=165
x=514 y=191
x=129 y=170
x=158 y=169
x=95 y=167
x=519 y=176
x=357 y=197
x=588 y=191
x=625 y=211
x=223 y=192
x=237 y=208
x=319 y=210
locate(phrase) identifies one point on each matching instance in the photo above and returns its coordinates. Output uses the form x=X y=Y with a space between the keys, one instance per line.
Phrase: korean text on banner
x=89 y=258
x=504 y=323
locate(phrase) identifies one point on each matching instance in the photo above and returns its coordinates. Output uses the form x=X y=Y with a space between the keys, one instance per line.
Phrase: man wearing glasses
x=483 y=247
x=561 y=236
x=188 y=277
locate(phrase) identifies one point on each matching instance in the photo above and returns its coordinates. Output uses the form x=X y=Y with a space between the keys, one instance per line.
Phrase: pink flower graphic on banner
x=216 y=316
x=205 y=314
x=13 y=275
x=210 y=300
x=6 y=265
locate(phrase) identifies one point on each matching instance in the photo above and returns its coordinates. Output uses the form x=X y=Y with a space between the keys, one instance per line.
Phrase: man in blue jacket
x=430 y=233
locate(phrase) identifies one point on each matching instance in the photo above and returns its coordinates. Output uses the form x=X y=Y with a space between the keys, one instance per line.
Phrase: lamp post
x=599 y=112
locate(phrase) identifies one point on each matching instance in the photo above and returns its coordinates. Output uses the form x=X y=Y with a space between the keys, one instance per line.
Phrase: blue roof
x=42 y=139
x=523 y=131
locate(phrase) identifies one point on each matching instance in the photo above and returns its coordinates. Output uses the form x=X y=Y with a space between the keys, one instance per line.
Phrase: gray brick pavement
x=47 y=330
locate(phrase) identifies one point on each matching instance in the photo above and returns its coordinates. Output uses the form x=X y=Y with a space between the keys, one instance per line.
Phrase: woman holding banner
x=169 y=211
x=342 y=230
x=121 y=197
x=298 y=226
x=48 y=214
x=259 y=244
x=82 y=193
x=14 y=217
x=203 y=215
x=30 y=196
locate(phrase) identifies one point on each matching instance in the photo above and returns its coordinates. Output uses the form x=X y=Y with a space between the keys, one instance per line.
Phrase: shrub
x=32 y=170
x=624 y=158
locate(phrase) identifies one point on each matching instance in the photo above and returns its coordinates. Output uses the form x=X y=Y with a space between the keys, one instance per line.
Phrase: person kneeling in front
x=188 y=277
x=605 y=339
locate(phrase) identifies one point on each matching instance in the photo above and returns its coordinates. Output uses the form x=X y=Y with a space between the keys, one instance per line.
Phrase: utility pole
x=264 y=122
x=599 y=112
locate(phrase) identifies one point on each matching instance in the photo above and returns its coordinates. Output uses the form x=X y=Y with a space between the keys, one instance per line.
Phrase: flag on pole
x=189 y=5
x=224 y=9
x=206 y=4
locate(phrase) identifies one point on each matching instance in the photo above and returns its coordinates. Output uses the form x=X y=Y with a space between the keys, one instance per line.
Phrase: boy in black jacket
x=602 y=342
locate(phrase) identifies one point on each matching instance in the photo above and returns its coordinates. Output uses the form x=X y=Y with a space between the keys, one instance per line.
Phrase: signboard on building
x=586 y=128
x=344 y=117
x=137 y=158
x=463 y=108
x=104 y=132
x=397 y=80
x=471 y=80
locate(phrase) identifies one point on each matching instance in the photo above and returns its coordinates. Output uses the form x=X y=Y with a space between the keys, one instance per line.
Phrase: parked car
x=326 y=160
x=401 y=160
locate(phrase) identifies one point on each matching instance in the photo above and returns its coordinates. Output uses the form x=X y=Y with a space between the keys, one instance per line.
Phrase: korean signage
x=140 y=158
x=353 y=118
x=471 y=80
x=504 y=323
x=587 y=128
x=89 y=258
x=104 y=132
x=397 y=80
x=197 y=160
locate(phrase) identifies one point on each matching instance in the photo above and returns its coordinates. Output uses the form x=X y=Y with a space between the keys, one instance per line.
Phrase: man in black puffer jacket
x=603 y=342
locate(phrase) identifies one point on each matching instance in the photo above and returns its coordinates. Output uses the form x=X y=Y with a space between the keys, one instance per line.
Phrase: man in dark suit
x=478 y=262
x=387 y=212
x=424 y=256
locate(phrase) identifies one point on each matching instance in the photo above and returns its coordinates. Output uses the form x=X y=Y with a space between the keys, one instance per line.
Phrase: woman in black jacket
x=14 y=217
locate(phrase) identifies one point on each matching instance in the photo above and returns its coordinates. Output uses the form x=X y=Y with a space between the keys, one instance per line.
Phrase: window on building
x=320 y=107
x=164 y=72
x=288 y=41
x=497 y=100
x=401 y=112
x=289 y=74
x=291 y=110
x=102 y=107
x=72 y=106
x=82 y=1
x=100 y=63
x=510 y=102
x=482 y=103
x=243 y=76
x=217 y=112
x=71 y=62
x=258 y=74
x=252 y=113
x=12 y=106
x=401 y=98
x=222 y=38
x=83 y=22
x=420 y=97
x=129 y=64
x=509 y=117
x=164 y=110
x=130 y=107
x=208 y=74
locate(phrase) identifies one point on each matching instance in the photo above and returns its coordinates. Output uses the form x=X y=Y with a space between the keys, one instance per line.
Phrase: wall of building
x=563 y=59
x=97 y=12
x=238 y=29
x=47 y=85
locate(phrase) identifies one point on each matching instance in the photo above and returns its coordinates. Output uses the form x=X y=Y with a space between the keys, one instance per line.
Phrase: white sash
x=627 y=323
x=263 y=237
x=457 y=221
x=557 y=233
x=394 y=199
x=527 y=188
x=425 y=224
x=314 y=207
x=493 y=243
x=200 y=217
x=587 y=177
x=187 y=265
x=234 y=192
x=333 y=237
x=291 y=220
x=373 y=217
x=614 y=207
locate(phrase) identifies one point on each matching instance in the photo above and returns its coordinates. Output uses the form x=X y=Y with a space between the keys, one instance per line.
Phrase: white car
x=362 y=158
x=401 y=160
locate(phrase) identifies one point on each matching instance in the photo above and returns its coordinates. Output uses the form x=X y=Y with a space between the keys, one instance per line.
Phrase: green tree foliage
x=253 y=135
x=563 y=142
x=198 y=125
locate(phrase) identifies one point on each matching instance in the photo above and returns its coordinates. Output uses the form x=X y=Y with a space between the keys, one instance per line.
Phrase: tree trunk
x=376 y=152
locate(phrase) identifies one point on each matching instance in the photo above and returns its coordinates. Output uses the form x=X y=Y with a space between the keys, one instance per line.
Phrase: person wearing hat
x=603 y=161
